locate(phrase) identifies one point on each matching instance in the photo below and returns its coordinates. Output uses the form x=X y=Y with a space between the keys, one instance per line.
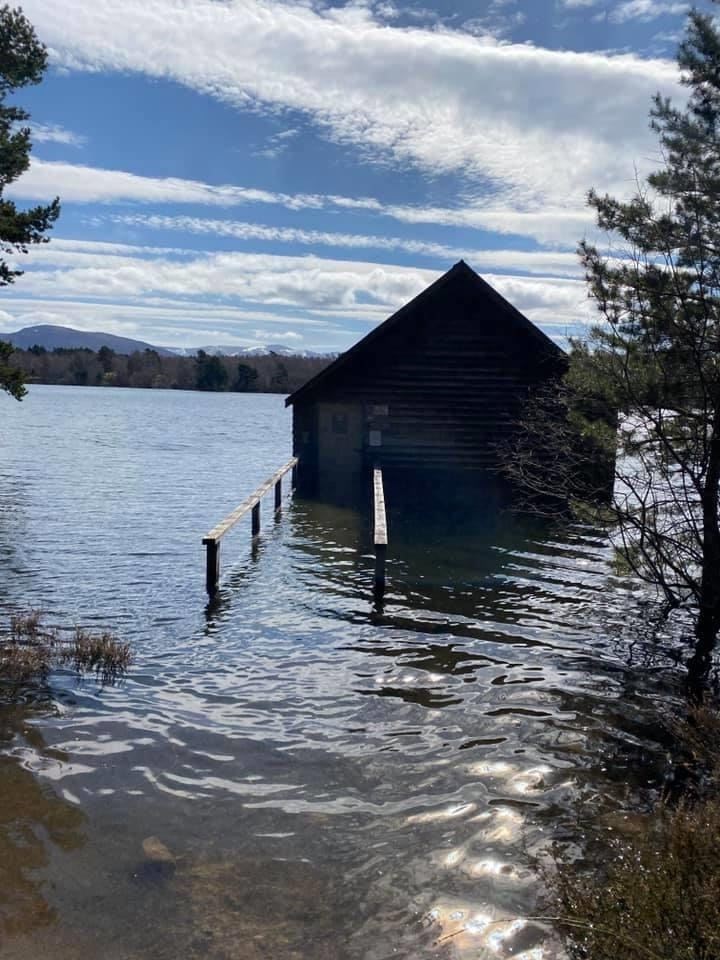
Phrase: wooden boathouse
x=436 y=387
x=428 y=396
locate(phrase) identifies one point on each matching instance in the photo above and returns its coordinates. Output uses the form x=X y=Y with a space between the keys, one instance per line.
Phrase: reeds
x=29 y=651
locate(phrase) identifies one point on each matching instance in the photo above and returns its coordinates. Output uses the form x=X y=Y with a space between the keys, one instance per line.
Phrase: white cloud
x=62 y=252
x=287 y=336
x=55 y=133
x=269 y=279
x=80 y=184
x=646 y=10
x=540 y=126
x=310 y=296
x=166 y=323
x=537 y=261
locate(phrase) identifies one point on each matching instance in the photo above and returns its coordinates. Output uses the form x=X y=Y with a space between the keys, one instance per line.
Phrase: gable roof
x=368 y=342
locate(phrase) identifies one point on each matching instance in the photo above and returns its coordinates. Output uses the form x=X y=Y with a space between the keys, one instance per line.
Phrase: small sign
x=375 y=438
x=380 y=410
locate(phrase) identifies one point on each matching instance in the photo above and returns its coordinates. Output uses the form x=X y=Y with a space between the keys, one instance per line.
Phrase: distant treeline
x=273 y=373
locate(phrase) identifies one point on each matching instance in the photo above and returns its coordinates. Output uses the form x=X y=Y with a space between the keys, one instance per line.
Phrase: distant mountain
x=263 y=351
x=52 y=337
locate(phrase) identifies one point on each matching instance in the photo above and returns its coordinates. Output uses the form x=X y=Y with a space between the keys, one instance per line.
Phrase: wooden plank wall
x=453 y=387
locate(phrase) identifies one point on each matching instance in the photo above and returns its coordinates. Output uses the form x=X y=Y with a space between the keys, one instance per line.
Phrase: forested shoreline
x=271 y=373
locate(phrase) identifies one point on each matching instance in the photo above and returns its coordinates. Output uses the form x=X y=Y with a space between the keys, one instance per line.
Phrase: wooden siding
x=439 y=390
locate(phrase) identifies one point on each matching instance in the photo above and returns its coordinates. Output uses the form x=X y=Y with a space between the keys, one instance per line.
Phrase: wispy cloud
x=646 y=10
x=540 y=261
x=81 y=184
x=547 y=222
x=55 y=133
x=277 y=144
x=499 y=20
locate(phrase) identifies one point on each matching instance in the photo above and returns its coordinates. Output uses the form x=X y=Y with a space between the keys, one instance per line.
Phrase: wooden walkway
x=212 y=540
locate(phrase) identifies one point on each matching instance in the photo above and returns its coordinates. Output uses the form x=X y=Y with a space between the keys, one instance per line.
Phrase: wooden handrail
x=380 y=523
x=212 y=539
x=380 y=535
x=220 y=529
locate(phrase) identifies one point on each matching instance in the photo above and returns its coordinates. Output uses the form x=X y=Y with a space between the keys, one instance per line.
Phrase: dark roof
x=368 y=342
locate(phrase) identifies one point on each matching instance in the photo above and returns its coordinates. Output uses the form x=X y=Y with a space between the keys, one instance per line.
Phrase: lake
x=332 y=780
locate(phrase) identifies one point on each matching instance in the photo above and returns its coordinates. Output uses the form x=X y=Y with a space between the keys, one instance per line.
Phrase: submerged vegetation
x=29 y=651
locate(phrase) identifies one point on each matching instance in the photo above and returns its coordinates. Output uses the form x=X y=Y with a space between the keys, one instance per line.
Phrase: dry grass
x=101 y=652
x=655 y=896
x=29 y=650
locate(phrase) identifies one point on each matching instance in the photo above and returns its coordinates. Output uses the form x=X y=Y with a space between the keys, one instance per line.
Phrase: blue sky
x=245 y=172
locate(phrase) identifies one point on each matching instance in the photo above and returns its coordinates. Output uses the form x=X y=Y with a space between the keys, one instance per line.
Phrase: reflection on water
x=333 y=779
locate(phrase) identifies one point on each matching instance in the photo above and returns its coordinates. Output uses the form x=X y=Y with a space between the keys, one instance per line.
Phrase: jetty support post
x=212 y=565
x=380 y=537
x=212 y=540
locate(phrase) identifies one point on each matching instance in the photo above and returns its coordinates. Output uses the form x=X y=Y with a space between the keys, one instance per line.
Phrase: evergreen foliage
x=23 y=60
x=148 y=369
x=210 y=374
x=655 y=359
x=11 y=377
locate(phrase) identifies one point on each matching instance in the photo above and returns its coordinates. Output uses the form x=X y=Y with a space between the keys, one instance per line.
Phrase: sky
x=245 y=172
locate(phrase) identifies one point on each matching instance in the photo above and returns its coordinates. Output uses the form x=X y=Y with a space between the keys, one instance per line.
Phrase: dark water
x=333 y=781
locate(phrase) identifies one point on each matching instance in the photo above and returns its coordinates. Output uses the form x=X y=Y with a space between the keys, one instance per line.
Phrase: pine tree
x=23 y=61
x=654 y=359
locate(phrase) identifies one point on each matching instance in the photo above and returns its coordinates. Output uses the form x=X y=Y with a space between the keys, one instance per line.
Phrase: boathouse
x=436 y=387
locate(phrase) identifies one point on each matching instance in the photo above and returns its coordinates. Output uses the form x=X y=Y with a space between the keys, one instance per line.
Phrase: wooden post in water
x=212 y=566
x=278 y=496
x=256 y=519
x=380 y=537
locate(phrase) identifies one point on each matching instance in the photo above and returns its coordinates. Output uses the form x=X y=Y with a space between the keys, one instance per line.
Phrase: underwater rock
x=159 y=862
x=156 y=851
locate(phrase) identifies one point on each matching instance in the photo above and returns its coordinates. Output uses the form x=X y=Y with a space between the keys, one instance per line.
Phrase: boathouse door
x=340 y=450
